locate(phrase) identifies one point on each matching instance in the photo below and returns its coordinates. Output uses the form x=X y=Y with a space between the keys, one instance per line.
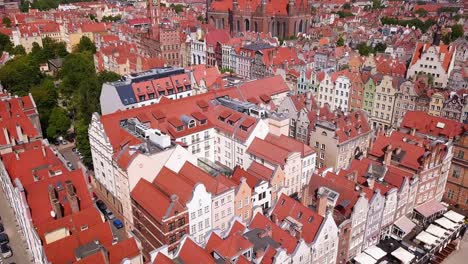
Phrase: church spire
x=153 y=14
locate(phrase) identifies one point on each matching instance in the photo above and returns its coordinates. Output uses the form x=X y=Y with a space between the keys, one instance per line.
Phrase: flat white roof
x=447 y=224
x=375 y=252
x=403 y=255
x=436 y=230
x=363 y=258
x=426 y=238
x=430 y=208
x=454 y=216
x=404 y=224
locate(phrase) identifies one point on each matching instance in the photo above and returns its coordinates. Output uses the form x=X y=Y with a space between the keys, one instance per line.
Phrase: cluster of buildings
x=259 y=136
x=53 y=206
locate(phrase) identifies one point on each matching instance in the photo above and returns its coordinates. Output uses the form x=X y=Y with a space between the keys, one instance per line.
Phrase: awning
x=430 y=208
x=404 y=224
x=447 y=224
x=375 y=252
x=427 y=238
x=363 y=258
x=454 y=216
x=436 y=231
x=403 y=255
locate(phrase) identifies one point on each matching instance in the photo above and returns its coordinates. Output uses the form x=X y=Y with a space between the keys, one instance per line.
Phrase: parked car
x=4 y=239
x=70 y=165
x=101 y=205
x=117 y=223
x=109 y=214
x=6 y=251
x=1 y=228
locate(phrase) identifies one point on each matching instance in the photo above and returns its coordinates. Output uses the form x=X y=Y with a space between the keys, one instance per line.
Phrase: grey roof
x=88 y=249
x=258 y=46
x=254 y=236
x=126 y=94
x=56 y=62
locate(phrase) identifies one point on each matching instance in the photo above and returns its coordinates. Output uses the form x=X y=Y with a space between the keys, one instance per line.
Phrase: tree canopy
x=85 y=45
x=59 y=123
x=340 y=42
x=6 y=21
x=364 y=50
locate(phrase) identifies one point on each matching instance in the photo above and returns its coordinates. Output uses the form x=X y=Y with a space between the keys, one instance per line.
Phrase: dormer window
x=202 y=122
x=179 y=128
x=299 y=215
x=191 y=123
x=283 y=201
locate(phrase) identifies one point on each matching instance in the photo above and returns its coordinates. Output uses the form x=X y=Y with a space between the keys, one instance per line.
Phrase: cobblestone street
x=459 y=256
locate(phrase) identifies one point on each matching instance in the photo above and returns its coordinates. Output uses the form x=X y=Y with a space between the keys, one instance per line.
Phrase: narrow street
x=17 y=245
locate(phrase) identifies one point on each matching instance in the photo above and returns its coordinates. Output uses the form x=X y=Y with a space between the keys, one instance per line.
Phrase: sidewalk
x=461 y=255
x=20 y=254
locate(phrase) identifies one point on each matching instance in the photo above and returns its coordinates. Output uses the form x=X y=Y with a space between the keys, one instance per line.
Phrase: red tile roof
x=191 y=253
x=290 y=144
x=432 y=125
x=447 y=50
x=287 y=241
x=310 y=220
x=268 y=151
x=14 y=119
x=122 y=250
x=162 y=259
x=412 y=151
x=158 y=204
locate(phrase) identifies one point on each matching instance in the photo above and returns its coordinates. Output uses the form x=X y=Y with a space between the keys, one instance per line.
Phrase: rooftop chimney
x=54 y=203
x=43 y=151
x=371 y=182
x=7 y=135
x=322 y=203
x=305 y=199
x=71 y=196
x=388 y=155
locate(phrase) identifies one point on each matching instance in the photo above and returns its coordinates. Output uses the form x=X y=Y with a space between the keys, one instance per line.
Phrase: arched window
x=247 y=25
x=238 y=25
x=255 y=26
x=278 y=28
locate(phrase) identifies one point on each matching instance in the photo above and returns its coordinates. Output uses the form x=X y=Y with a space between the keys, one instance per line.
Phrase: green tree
x=340 y=42
x=363 y=49
x=24 y=6
x=343 y=14
x=177 y=8
x=108 y=76
x=85 y=45
x=6 y=21
x=45 y=97
x=457 y=31
x=18 y=50
x=376 y=4
x=421 y=12
x=76 y=68
x=347 y=6
x=380 y=47
x=5 y=43
x=19 y=75
x=59 y=123
x=82 y=142
x=200 y=18
x=111 y=18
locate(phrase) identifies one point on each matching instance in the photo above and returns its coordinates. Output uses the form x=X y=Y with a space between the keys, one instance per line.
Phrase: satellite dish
x=52 y=213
